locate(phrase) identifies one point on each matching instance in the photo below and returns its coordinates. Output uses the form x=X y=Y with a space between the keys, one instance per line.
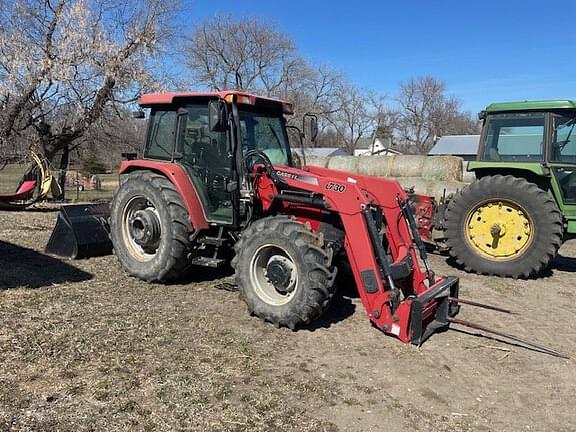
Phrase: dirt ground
x=84 y=347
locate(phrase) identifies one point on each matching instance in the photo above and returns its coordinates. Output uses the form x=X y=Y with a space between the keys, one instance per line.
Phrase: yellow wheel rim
x=499 y=230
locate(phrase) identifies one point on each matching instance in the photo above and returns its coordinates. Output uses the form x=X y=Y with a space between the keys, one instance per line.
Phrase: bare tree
x=243 y=54
x=425 y=111
x=314 y=91
x=65 y=63
x=357 y=115
x=248 y=54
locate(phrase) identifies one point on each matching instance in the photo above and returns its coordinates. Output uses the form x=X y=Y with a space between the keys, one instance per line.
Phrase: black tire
x=165 y=256
x=545 y=222
x=292 y=244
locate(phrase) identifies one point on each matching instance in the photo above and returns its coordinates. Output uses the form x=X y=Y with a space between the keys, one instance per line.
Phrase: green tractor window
x=514 y=137
x=563 y=155
x=564 y=139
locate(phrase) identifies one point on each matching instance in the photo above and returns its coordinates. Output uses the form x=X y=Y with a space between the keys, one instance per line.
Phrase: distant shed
x=322 y=151
x=465 y=146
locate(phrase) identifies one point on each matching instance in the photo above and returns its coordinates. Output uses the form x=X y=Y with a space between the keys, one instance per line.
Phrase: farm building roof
x=364 y=143
x=322 y=151
x=456 y=145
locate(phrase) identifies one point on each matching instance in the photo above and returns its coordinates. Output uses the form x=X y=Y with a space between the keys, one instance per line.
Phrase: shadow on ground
x=542 y=349
x=565 y=264
x=340 y=309
x=560 y=263
x=26 y=268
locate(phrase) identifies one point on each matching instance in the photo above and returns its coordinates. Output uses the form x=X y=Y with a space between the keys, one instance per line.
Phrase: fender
x=498 y=166
x=179 y=178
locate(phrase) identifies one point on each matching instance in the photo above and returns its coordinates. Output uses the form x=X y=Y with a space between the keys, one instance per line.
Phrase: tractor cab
x=180 y=131
x=537 y=138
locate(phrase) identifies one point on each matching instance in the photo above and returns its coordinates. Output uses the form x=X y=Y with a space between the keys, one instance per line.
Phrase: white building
x=368 y=147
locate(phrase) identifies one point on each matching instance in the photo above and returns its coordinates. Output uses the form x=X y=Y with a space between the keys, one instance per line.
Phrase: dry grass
x=91 y=349
x=83 y=347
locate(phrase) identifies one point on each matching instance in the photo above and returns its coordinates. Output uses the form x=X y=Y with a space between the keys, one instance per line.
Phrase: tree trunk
x=64 y=161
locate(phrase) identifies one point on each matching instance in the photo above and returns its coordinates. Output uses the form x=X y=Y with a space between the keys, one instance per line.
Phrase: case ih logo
x=305 y=179
x=288 y=175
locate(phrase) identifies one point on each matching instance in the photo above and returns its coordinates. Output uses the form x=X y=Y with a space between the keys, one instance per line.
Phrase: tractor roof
x=544 y=105
x=150 y=99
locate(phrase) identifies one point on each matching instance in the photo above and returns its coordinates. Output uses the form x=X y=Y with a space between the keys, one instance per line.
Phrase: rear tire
x=150 y=227
x=520 y=224
x=284 y=271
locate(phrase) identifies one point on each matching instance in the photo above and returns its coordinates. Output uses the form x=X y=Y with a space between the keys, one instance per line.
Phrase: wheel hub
x=499 y=229
x=279 y=272
x=274 y=275
x=144 y=228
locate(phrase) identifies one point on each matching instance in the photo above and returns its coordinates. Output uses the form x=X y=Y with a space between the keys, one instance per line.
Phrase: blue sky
x=485 y=51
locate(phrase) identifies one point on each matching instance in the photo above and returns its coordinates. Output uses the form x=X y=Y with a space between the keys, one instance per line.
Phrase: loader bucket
x=81 y=231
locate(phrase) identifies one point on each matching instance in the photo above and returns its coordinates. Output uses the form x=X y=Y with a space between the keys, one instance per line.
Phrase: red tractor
x=218 y=182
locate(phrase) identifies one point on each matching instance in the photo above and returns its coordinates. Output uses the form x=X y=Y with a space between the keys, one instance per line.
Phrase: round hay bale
x=437 y=189
x=319 y=161
x=467 y=176
x=344 y=163
x=378 y=165
x=420 y=185
x=444 y=168
x=407 y=166
x=296 y=160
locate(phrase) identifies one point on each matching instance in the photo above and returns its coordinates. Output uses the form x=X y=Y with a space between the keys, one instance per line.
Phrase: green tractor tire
x=504 y=226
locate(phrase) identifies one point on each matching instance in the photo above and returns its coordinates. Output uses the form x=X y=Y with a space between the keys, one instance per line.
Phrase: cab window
x=514 y=137
x=265 y=133
x=564 y=139
x=161 y=135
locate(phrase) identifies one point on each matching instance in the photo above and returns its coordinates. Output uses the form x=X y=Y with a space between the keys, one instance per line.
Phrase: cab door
x=205 y=156
x=562 y=159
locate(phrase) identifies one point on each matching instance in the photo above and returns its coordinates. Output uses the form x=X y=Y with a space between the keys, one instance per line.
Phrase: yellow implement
x=35 y=185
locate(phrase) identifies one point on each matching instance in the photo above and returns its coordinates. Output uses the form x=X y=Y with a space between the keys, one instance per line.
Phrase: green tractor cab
x=513 y=219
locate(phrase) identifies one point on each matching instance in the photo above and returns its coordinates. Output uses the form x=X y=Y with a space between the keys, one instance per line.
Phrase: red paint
x=26 y=187
x=179 y=177
x=23 y=192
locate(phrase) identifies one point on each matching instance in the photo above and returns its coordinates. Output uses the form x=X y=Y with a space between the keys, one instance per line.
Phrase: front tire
x=284 y=271
x=150 y=227
x=504 y=226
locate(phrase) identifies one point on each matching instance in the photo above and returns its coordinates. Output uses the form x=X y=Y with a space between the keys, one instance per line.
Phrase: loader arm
x=395 y=291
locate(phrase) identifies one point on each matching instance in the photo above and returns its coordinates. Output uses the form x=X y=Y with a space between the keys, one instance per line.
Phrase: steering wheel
x=258 y=154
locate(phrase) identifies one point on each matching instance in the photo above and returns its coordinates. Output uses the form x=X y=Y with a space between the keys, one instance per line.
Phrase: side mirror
x=138 y=114
x=310 y=126
x=217 y=118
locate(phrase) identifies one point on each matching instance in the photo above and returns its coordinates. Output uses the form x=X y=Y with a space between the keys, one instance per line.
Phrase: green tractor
x=513 y=219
